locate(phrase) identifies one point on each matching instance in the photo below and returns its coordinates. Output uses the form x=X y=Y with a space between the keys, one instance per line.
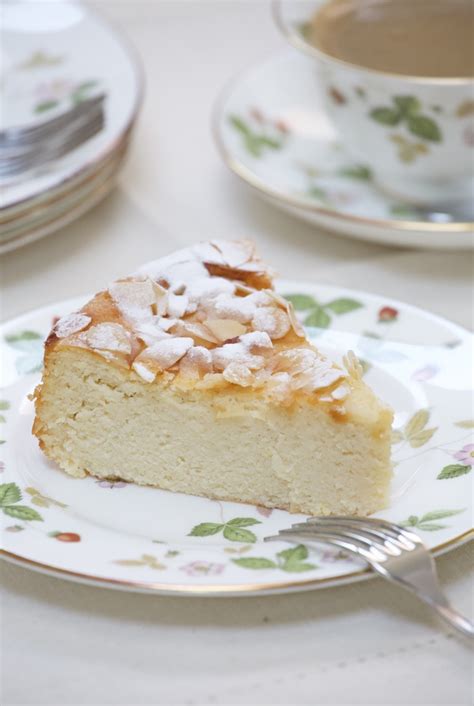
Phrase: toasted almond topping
x=110 y=337
x=162 y=355
x=177 y=305
x=223 y=329
x=196 y=362
x=235 y=353
x=196 y=330
x=257 y=342
x=238 y=374
x=352 y=365
x=143 y=371
x=72 y=323
x=275 y=322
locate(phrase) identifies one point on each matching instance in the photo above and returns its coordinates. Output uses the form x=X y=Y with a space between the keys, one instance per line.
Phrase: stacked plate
x=55 y=55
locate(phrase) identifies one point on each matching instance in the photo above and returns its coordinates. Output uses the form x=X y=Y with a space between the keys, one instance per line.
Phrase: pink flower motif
x=265 y=511
x=111 y=483
x=203 y=568
x=2 y=466
x=466 y=455
x=54 y=90
x=426 y=373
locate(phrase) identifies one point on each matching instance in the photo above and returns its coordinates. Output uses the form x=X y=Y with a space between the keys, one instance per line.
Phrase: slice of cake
x=194 y=376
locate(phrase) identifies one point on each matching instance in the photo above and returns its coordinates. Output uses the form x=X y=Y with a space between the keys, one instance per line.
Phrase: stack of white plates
x=54 y=54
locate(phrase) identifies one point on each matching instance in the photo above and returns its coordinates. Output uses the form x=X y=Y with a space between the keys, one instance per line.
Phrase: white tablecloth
x=368 y=643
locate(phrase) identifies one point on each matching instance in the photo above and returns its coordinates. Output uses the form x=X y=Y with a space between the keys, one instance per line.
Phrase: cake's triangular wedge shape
x=194 y=376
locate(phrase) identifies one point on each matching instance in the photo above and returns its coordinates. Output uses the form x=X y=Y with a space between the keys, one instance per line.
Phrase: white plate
x=272 y=131
x=136 y=538
x=55 y=54
x=56 y=212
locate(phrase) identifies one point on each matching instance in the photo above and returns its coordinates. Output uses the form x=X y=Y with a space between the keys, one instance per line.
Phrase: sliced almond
x=109 y=337
x=196 y=330
x=273 y=321
x=72 y=323
x=223 y=329
x=177 y=305
x=238 y=374
x=353 y=366
x=257 y=342
x=196 y=362
x=164 y=354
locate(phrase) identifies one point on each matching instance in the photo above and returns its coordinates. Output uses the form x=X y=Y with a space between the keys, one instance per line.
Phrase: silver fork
x=53 y=149
x=30 y=134
x=394 y=552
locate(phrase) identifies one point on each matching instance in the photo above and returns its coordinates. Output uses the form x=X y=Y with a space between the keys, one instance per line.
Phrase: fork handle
x=451 y=616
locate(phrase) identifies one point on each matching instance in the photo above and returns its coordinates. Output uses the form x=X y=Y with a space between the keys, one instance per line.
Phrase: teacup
x=415 y=133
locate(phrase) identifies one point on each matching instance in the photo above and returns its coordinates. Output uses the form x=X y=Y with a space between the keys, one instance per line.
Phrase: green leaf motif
x=293 y=560
x=243 y=522
x=421 y=438
x=316 y=192
x=417 y=422
x=9 y=494
x=454 y=470
x=233 y=530
x=4 y=405
x=45 y=105
x=386 y=116
x=356 y=171
x=403 y=210
x=408 y=105
x=318 y=318
x=237 y=534
x=343 y=305
x=297 y=553
x=466 y=424
x=301 y=302
x=21 y=512
x=254 y=143
x=439 y=515
x=298 y=567
x=205 y=529
x=422 y=126
x=2 y=419
x=22 y=340
x=255 y=562
x=426 y=524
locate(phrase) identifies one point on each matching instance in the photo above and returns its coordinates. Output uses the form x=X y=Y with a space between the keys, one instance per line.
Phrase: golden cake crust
x=207 y=317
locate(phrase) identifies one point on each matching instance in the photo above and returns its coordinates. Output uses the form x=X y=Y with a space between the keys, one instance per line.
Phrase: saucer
x=271 y=130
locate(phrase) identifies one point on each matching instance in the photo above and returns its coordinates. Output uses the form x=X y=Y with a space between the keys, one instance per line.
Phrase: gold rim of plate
x=220 y=590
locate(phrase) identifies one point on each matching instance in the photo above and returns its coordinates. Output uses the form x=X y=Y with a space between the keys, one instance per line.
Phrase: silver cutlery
x=25 y=134
x=39 y=148
x=394 y=552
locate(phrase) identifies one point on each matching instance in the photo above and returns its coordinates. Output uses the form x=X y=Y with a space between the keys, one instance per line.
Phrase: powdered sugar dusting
x=109 y=337
x=72 y=323
x=209 y=313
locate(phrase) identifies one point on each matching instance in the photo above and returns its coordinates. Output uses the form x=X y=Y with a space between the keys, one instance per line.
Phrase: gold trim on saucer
x=298 y=41
x=249 y=177
x=214 y=589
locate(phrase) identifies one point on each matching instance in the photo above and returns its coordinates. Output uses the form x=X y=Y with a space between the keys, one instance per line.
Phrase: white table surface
x=367 y=643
